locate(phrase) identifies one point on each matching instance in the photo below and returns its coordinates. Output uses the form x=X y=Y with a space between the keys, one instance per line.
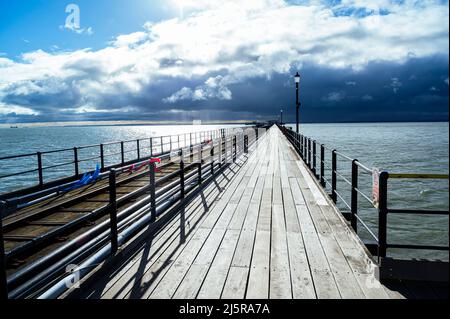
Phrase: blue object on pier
x=85 y=180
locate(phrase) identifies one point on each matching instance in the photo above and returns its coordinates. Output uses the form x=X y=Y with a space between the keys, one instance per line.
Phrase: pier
x=250 y=219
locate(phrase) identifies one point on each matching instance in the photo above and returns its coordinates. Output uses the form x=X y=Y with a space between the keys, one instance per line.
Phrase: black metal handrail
x=113 y=232
x=302 y=144
x=157 y=146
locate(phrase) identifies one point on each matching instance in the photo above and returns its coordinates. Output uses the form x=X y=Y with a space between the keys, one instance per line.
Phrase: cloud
x=334 y=96
x=395 y=84
x=220 y=50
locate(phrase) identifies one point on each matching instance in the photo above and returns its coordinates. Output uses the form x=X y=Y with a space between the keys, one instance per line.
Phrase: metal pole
x=162 y=146
x=151 y=146
x=182 y=177
x=333 y=176
x=199 y=172
x=354 y=198
x=41 y=178
x=122 y=151
x=113 y=211
x=382 y=214
x=235 y=149
x=314 y=158
x=75 y=161
x=3 y=277
x=297 y=106
x=212 y=159
x=309 y=153
x=138 y=148
x=322 y=165
x=102 y=157
x=152 y=192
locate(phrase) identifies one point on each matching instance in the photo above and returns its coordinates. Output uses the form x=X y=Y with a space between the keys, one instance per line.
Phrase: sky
x=184 y=60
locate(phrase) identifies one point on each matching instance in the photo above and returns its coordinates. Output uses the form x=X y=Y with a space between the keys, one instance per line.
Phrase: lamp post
x=297 y=103
x=281 y=117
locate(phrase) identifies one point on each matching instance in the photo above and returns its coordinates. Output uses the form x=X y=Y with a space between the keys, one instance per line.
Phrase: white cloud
x=334 y=96
x=395 y=84
x=367 y=97
x=223 y=44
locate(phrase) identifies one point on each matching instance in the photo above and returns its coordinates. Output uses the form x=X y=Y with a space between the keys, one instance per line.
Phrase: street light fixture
x=297 y=103
x=281 y=117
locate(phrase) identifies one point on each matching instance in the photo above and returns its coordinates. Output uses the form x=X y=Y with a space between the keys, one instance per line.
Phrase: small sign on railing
x=375 y=187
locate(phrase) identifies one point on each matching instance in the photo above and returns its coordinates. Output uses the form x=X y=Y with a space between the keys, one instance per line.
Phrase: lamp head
x=297 y=78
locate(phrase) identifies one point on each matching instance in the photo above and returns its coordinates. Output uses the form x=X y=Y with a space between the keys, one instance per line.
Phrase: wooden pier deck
x=263 y=229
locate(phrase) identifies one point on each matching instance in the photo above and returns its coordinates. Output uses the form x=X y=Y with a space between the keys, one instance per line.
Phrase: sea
x=393 y=147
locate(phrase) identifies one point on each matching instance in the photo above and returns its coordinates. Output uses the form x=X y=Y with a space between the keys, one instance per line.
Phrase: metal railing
x=108 y=155
x=103 y=241
x=307 y=149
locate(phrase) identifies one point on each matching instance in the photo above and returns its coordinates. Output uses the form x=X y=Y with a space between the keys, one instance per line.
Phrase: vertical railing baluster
x=354 y=196
x=309 y=153
x=122 y=151
x=113 y=211
x=151 y=146
x=171 y=143
x=75 y=161
x=314 y=155
x=199 y=172
x=382 y=214
x=138 y=148
x=102 y=157
x=182 y=194
x=234 y=149
x=40 y=173
x=3 y=275
x=333 y=176
x=212 y=158
x=152 y=168
x=322 y=165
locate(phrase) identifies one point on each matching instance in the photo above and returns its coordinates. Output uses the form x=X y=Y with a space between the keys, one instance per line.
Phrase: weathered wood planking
x=265 y=230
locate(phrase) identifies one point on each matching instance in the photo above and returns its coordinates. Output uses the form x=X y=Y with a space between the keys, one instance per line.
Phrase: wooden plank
x=215 y=279
x=170 y=282
x=280 y=283
x=235 y=284
x=258 y=282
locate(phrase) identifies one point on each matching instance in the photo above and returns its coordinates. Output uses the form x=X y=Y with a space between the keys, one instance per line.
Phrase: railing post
x=3 y=277
x=152 y=191
x=314 y=158
x=138 y=149
x=212 y=158
x=113 y=211
x=182 y=177
x=75 y=161
x=40 y=174
x=382 y=213
x=309 y=153
x=190 y=140
x=322 y=165
x=162 y=145
x=122 y=151
x=246 y=144
x=333 y=176
x=151 y=146
x=354 y=198
x=199 y=168
x=170 y=143
x=234 y=148
x=102 y=157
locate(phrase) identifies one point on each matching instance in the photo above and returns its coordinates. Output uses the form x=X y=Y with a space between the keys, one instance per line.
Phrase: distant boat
x=13 y=127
